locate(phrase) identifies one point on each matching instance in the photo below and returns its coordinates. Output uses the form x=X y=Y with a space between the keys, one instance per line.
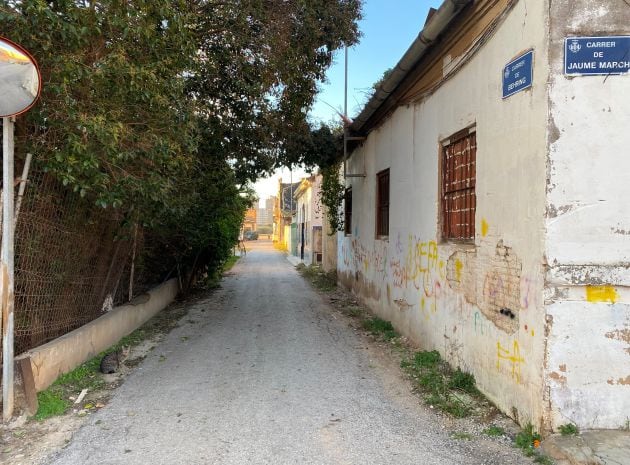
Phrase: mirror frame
x=39 y=76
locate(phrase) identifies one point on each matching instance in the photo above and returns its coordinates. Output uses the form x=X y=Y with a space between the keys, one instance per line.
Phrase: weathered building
x=308 y=220
x=492 y=220
x=283 y=211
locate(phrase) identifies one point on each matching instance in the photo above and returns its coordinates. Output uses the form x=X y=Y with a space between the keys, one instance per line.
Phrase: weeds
x=528 y=440
x=320 y=279
x=569 y=430
x=379 y=327
x=50 y=404
x=494 y=431
x=442 y=386
x=462 y=436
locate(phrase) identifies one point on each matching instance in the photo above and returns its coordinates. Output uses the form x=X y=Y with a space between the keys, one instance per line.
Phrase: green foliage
x=461 y=436
x=528 y=440
x=332 y=194
x=166 y=110
x=379 y=327
x=494 y=431
x=320 y=279
x=442 y=385
x=50 y=404
x=569 y=430
x=462 y=381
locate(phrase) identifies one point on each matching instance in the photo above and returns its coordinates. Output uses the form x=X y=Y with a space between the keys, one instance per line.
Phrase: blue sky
x=389 y=27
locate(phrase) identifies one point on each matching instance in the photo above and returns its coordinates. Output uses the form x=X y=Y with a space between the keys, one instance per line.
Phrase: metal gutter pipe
x=434 y=27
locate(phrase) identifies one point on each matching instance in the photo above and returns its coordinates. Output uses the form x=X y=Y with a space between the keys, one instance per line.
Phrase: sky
x=388 y=28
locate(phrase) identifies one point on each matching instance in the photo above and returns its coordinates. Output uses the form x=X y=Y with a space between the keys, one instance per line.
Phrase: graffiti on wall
x=511 y=359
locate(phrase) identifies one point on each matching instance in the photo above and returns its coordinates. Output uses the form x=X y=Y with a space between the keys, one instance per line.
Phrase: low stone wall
x=53 y=359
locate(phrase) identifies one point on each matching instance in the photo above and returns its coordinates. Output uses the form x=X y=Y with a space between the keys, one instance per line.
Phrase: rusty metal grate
x=458 y=187
x=382 y=207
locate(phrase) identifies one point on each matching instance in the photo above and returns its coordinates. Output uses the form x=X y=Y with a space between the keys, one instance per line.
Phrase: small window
x=382 y=204
x=459 y=201
x=347 y=210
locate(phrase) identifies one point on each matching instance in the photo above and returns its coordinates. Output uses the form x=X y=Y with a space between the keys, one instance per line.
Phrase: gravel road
x=262 y=372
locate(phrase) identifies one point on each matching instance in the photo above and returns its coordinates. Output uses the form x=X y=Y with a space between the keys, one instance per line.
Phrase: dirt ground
x=325 y=333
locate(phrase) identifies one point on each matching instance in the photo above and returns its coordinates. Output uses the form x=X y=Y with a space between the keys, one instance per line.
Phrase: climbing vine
x=333 y=191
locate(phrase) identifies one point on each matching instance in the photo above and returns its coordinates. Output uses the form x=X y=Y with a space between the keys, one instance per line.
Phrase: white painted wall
x=310 y=212
x=588 y=227
x=411 y=278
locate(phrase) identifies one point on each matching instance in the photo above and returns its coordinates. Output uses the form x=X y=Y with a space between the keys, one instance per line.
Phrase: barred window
x=458 y=187
x=382 y=203
x=347 y=209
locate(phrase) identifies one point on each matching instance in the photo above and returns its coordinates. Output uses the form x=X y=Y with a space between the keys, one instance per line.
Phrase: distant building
x=265 y=214
x=284 y=208
x=307 y=221
x=249 y=223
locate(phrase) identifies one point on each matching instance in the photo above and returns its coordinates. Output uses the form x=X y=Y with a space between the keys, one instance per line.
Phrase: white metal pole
x=345 y=111
x=7 y=269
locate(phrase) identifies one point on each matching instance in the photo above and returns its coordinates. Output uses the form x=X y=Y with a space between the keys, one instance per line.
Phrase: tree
x=166 y=109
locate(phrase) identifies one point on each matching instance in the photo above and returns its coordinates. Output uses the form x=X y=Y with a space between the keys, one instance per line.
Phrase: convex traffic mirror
x=20 y=80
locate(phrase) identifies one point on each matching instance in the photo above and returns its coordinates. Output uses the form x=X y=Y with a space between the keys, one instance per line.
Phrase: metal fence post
x=7 y=269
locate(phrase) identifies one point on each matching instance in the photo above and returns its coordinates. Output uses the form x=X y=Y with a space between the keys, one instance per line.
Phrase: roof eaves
x=435 y=25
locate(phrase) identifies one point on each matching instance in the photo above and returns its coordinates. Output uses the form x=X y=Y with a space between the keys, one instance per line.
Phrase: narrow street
x=262 y=372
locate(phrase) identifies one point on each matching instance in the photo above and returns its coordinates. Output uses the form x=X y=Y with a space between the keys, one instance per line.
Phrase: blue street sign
x=518 y=74
x=597 y=55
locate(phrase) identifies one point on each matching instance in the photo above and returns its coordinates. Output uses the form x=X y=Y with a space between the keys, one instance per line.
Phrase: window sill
x=463 y=245
x=382 y=238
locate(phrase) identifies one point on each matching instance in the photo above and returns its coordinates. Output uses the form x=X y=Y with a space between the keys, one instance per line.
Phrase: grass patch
x=230 y=262
x=494 y=431
x=569 y=430
x=379 y=327
x=462 y=436
x=320 y=279
x=50 y=404
x=447 y=389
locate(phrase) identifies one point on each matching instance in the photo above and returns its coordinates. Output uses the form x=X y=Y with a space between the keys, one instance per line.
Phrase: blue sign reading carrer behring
x=597 y=55
x=518 y=74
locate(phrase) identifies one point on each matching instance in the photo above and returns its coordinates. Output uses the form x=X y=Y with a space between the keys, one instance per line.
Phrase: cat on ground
x=110 y=363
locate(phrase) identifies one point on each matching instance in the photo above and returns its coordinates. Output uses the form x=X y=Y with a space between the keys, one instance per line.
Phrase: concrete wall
x=448 y=296
x=588 y=227
x=53 y=359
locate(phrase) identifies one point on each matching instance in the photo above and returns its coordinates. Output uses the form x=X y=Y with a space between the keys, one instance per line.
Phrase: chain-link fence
x=69 y=257
x=74 y=261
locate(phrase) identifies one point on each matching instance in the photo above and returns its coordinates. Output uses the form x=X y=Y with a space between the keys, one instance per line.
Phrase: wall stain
x=601 y=294
x=621 y=381
x=484 y=227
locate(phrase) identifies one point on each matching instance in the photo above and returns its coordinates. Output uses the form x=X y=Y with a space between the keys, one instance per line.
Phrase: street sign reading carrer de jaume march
x=518 y=74
x=596 y=55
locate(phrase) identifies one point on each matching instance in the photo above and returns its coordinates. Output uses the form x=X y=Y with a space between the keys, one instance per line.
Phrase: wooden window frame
x=347 y=211
x=458 y=180
x=382 y=205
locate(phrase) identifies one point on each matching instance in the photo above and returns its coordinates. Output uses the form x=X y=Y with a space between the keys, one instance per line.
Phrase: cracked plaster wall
x=452 y=297
x=587 y=223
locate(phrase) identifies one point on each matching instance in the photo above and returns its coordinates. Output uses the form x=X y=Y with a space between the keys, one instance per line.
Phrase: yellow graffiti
x=458 y=270
x=484 y=227
x=514 y=357
x=601 y=294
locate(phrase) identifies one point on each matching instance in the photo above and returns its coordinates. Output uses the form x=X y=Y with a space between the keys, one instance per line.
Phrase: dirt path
x=263 y=372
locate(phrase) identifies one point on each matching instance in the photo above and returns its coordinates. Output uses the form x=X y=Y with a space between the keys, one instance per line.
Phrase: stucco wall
x=444 y=296
x=53 y=359
x=588 y=227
